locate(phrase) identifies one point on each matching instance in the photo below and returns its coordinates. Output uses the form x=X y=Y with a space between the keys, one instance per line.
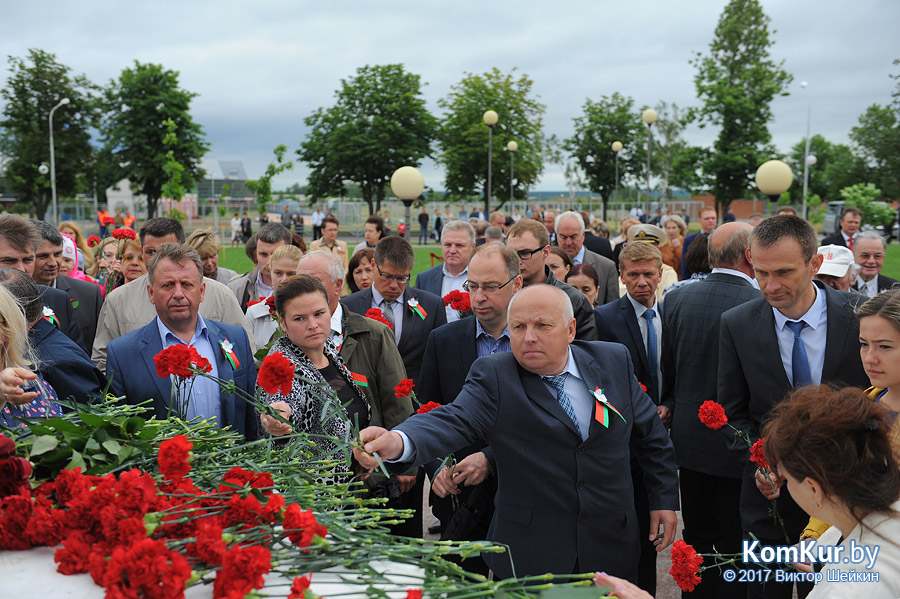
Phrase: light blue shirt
x=813 y=335
x=579 y=257
x=639 y=310
x=204 y=402
x=486 y=345
x=579 y=395
x=398 y=311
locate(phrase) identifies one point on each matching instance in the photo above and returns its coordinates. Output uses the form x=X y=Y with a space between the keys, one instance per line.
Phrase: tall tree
x=736 y=81
x=262 y=187
x=378 y=124
x=36 y=84
x=138 y=105
x=836 y=167
x=877 y=141
x=668 y=144
x=464 y=136
x=609 y=119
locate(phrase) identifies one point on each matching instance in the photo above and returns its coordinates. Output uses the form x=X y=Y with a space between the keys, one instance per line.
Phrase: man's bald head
x=728 y=245
x=541 y=327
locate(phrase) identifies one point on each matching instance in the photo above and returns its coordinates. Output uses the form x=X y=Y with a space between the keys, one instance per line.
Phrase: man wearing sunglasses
x=531 y=241
x=413 y=313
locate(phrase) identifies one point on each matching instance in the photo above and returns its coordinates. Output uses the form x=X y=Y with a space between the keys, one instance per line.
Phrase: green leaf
x=147 y=433
x=125 y=453
x=77 y=461
x=91 y=445
x=112 y=446
x=92 y=419
x=61 y=424
x=134 y=424
x=43 y=444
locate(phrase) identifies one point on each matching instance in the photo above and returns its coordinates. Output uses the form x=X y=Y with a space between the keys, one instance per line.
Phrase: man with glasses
x=494 y=277
x=413 y=313
x=869 y=251
x=531 y=242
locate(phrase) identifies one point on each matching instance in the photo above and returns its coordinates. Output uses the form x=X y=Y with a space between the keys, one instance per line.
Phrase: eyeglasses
x=402 y=279
x=867 y=255
x=488 y=289
x=526 y=254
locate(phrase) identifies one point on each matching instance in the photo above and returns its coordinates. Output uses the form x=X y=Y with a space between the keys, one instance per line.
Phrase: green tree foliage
x=836 y=167
x=138 y=105
x=866 y=197
x=736 y=82
x=671 y=157
x=877 y=141
x=611 y=118
x=378 y=124
x=262 y=187
x=464 y=136
x=36 y=84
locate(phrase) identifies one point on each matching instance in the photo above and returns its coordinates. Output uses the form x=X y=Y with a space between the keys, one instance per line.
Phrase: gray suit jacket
x=752 y=380
x=430 y=280
x=690 y=363
x=609 y=276
x=560 y=500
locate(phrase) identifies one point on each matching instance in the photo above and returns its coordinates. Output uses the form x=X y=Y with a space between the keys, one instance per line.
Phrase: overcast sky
x=261 y=67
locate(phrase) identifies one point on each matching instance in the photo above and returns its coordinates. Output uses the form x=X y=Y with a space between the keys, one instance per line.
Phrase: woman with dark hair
x=697 y=262
x=833 y=449
x=360 y=269
x=302 y=306
x=559 y=263
x=584 y=278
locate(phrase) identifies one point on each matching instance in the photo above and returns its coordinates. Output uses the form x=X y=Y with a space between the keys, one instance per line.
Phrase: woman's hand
x=272 y=425
x=11 y=381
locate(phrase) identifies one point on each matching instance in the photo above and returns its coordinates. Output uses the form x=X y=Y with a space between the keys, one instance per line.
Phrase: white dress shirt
x=449 y=283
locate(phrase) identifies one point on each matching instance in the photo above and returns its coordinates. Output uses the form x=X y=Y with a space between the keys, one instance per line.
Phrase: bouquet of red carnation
x=182 y=362
x=122 y=234
x=376 y=314
x=460 y=302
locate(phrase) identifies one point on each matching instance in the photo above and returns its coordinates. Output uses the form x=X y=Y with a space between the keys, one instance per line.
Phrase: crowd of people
x=568 y=390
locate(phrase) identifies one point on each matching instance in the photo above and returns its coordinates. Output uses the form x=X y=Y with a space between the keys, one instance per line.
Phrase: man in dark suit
x=61 y=362
x=869 y=252
x=799 y=333
x=851 y=220
x=635 y=321
x=87 y=297
x=710 y=468
x=570 y=235
x=708 y=219
x=531 y=242
x=494 y=277
x=562 y=445
x=176 y=288
x=457 y=245
x=412 y=312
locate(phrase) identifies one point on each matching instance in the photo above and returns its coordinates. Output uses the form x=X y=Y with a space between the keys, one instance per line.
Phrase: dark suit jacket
x=884 y=283
x=609 y=276
x=598 y=245
x=130 y=368
x=834 y=239
x=752 y=380
x=414 y=332
x=430 y=280
x=560 y=500
x=61 y=303
x=89 y=299
x=690 y=363
x=617 y=323
x=688 y=240
x=441 y=379
x=65 y=365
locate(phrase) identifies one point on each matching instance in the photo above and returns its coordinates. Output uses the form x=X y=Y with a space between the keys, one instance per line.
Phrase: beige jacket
x=128 y=308
x=339 y=249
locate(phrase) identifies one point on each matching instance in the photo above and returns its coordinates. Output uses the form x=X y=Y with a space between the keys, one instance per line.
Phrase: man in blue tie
x=800 y=332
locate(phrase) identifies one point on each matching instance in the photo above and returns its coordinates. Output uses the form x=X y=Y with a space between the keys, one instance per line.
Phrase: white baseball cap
x=69 y=248
x=837 y=260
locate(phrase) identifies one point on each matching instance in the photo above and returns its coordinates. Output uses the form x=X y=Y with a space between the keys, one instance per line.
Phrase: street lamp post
x=616 y=147
x=490 y=119
x=407 y=184
x=806 y=163
x=62 y=102
x=512 y=147
x=773 y=178
x=649 y=117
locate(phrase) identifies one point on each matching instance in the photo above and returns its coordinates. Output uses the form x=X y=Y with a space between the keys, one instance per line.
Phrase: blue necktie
x=799 y=361
x=559 y=383
x=651 y=350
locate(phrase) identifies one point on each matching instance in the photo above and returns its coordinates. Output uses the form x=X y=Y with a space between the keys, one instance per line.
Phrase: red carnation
x=424 y=409
x=93 y=241
x=242 y=571
x=173 y=457
x=414 y=594
x=146 y=568
x=178 y=359
x=404 y=388
x=643 y=386
x=253 y=303
x=300 y=527
x=270 y=301
x=108 y=220
x=124 y=234
x=713 y=415
x=757 y=456
x=685 y=566
x=14 y=475
x=276 y=375
x=7 y=446
x=458 y=300
x=376 y=314
x=300 y=586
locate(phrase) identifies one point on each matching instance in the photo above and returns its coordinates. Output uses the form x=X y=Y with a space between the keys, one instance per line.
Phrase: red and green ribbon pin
x=228 y=350
x=416 y=308
x=50 y=316
x=601 y=410
x=359 y=379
